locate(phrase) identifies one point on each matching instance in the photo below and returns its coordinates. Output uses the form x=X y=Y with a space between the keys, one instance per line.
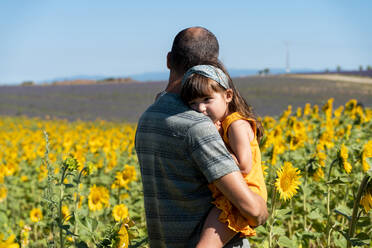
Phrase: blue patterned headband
x=208 y=71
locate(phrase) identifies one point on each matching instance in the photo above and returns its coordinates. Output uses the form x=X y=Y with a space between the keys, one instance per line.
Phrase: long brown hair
x=197 y=86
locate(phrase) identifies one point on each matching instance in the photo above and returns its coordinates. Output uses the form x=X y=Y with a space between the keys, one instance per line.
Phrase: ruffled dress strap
x=234 y=117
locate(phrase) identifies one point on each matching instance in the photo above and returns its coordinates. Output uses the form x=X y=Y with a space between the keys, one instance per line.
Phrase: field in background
x=78 y=184
x=125 y=102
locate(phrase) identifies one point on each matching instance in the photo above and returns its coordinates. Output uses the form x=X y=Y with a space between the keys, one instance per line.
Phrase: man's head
x=192 y=46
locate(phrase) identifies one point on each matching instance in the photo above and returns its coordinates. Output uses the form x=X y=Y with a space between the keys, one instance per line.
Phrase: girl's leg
x=214 y=234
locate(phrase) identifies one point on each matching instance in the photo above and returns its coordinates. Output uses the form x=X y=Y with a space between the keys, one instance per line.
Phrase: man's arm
x=209 y=153
x=251 y=205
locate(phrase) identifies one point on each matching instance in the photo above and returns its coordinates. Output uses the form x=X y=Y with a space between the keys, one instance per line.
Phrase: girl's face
x=215 y=105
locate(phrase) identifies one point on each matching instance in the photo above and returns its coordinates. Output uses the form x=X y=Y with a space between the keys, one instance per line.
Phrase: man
x=180 y=152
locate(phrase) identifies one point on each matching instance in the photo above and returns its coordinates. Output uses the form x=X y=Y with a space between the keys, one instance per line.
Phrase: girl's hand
x=218 y=125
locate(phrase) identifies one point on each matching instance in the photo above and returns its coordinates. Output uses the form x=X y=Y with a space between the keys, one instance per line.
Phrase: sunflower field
x=77 y=184
x=69 y=184
x=317 y=165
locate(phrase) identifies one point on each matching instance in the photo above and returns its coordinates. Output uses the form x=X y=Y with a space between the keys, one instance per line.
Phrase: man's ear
x=229 y=95
x=168 y=59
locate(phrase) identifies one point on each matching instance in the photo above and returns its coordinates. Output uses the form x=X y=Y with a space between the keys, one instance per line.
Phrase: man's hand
x=251 y=205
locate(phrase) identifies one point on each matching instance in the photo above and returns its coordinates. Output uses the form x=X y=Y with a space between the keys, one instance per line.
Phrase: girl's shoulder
x=234 y=117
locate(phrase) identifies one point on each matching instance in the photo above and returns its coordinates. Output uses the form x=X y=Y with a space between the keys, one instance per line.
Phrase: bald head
x=193 y=46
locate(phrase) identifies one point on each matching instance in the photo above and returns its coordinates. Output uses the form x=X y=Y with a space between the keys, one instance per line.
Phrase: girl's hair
x=197 y=86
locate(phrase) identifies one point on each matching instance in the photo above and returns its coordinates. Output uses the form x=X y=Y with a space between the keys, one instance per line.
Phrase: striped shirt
x=179 y=151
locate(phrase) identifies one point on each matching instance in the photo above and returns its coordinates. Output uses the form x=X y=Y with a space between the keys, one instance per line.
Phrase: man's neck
x=174 y=83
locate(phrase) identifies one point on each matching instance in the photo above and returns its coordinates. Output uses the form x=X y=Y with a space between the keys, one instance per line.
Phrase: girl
x=209 y=90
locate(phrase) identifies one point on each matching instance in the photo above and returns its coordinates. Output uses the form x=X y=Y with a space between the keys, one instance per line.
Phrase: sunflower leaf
x=261 y=229
x=82 y=244
x=344 y=211
x=315 y=215
x=359 y=242
x=364 y=221
x=68 y=185
x=286 y=242
x=339 y=180
x=277 y=230
x=282 y=212
x=363 y=237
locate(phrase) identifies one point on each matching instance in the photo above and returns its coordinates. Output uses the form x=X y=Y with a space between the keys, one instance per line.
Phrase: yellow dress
x=254 y=179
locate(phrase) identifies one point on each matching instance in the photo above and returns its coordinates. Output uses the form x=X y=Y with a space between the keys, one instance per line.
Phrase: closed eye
x=191 y=103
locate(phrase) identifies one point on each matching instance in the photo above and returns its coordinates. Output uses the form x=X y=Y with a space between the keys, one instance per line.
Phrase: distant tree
x=28 y=83
x=369 y=68
x=109 y=79
x=338 y=68
x=266 y=71
x=326 y=70
x=360 y=68
x=260 y=72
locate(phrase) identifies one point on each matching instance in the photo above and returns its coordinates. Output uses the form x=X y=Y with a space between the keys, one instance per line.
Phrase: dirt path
x=333 y=77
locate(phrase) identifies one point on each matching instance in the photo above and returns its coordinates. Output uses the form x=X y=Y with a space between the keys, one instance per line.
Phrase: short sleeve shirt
x=179 y=151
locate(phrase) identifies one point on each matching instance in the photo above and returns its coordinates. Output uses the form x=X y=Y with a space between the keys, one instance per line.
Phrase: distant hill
x=364 y=73
x=92 y=81
x=147 y=76
x=160 y=76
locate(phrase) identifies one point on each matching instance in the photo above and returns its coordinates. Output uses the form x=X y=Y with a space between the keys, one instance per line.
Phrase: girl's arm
x=240 y=135
x=215 y=233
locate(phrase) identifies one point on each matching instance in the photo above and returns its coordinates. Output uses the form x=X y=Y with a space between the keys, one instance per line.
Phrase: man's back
x=179 y=152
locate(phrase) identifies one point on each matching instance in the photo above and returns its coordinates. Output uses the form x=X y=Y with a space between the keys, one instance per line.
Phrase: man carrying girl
x=182 y=156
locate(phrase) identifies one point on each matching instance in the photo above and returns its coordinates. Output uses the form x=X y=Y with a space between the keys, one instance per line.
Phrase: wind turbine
x=287 y=68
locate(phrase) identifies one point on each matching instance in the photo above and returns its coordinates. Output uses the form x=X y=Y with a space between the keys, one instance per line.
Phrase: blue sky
x=41 y=40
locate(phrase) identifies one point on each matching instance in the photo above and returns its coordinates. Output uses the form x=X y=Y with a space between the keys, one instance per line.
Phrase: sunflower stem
x=49 y=193
x=328 y=229
x=304 y=201
x=354 y=216
x=292 y=219
x=35 y=231
x=61 y=195
x=272 y=217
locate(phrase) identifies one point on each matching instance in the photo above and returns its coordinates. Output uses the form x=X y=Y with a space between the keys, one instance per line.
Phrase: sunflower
x=24 y=178
x=3 y=193
x=8 y=243
x=98 y=198
x=288 y=181
x=264 y=168
x=125 y=177
x=367 y=153
x=307 y=109
x=338 y=111
x=327 y=108
x=2 y=173
x=347 y=167
x=123 y=237
x=343 y=154
x=315 y=113
x=36 y=215
x=120 y=212
x=318 y=175
x=65 y=213
x=366 y=202
x=80 y=198
x=299 y=112
x=321 y=158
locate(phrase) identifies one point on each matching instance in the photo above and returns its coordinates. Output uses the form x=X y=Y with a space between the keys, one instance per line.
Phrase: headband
x=208 y=71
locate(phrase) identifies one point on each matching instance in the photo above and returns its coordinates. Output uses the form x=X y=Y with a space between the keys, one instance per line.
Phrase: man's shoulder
x=169 y=109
